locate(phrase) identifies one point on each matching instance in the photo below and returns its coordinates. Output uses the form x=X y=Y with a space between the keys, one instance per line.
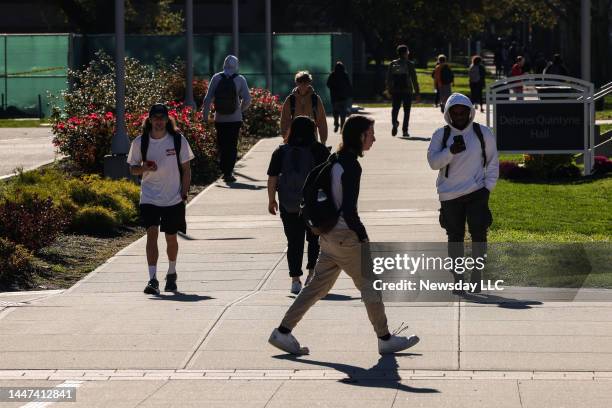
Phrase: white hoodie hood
x=466 y=173
x=458 y=99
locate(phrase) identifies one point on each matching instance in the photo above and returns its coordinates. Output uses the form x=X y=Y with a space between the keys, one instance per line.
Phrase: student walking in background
x=477 y=75
x=402 y=84
x=288 y=169
x=341 y=91
x=443 y=80
x=517 y=70
x=230 y=93
x=303 y=101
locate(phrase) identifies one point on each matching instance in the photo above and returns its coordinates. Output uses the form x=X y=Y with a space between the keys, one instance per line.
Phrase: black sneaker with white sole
x=170 y=283
x=152 y=287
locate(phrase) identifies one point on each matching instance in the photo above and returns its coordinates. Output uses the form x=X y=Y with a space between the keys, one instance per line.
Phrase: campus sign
x=543 y=114
x=550 y=126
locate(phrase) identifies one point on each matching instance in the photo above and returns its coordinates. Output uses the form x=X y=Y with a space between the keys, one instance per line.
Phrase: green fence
x=34 y=66
x=31 y=66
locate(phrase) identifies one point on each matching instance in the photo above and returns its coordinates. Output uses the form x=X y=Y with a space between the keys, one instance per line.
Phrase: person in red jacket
x=517 y=70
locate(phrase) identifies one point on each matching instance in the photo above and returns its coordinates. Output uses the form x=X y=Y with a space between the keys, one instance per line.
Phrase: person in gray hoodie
x=465 y=155
x=230 y=93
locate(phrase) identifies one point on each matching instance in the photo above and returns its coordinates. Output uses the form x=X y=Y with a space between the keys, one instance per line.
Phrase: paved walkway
x=25 y=147
x=208 y=346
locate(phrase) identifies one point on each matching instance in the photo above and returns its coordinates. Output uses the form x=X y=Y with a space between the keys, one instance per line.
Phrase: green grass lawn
x=605 y=114
x=22 y=123
x=552 y=235
x=579 y=211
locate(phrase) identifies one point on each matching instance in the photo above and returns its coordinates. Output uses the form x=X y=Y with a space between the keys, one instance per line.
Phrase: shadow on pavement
x=506 y=303
x=415 y=138
x=382 y=375
x=247 y=177
x=241 y=186
x=182 y=297
x=336 y=297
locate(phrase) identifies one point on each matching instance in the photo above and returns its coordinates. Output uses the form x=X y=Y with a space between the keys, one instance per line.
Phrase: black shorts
x=171 y=219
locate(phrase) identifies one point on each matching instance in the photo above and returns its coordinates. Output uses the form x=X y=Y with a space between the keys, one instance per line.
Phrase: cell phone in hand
x=458 y=139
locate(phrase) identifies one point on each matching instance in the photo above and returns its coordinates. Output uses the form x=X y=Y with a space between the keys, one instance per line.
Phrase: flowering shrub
x=83 y=129
x=262 y=119
x=86 y=139
x=602 y=165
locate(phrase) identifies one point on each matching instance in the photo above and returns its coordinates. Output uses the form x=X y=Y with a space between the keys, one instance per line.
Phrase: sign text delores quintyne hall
x=546 y=126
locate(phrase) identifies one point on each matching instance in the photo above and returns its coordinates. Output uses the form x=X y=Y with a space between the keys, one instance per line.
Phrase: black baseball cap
x=157 y=109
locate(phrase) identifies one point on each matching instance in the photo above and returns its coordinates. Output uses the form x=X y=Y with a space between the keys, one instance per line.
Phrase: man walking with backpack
x=161 y=156
x=465 y=153
x=443 y=80
x=230 y=93
x=289 y=167
x=331 y=192
x=303 y=101
x=402 y=84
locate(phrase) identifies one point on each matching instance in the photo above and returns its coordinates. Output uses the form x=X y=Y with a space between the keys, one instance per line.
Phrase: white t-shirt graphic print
x=161 y=187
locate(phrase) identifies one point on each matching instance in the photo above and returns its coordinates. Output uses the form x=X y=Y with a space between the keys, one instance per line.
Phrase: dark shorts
x=171 y=219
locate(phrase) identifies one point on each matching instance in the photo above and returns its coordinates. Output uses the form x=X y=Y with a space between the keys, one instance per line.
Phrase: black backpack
x=314 y=100
x=478 y=131
x=446 y=76
x=297 y=163
x=318 y=209
x=226 y=99
x=144 y=147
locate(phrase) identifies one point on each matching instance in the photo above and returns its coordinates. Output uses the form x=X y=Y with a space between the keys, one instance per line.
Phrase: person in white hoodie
x=230 y=93
x=465 y=154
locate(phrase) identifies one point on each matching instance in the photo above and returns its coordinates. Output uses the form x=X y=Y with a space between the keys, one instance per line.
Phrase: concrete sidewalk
x=208 y=345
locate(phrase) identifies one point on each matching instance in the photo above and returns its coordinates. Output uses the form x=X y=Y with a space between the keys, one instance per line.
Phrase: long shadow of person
x=505 y=303
x=382 y=375
x=181 y=297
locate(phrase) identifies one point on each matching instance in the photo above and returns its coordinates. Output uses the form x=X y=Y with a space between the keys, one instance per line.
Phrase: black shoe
x=336 y=128
x=170 y=283
x=394 y=130
x=405 y=134
x=229 y=178
x=152 y=287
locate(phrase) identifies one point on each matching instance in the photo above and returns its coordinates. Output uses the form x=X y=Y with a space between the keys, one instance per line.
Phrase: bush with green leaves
x=71 y=195
x=95 y=219
x=551 y=166
x=16 y=264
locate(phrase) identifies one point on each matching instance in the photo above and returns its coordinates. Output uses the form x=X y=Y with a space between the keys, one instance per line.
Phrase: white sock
x=152 y=271
x=171 y=267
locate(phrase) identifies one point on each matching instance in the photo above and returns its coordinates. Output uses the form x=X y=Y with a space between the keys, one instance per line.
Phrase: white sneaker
x=287 y=342
x=296 y=287
x=396 y=343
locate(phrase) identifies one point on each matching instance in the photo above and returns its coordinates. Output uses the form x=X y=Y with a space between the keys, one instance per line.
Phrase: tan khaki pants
x=340 y=250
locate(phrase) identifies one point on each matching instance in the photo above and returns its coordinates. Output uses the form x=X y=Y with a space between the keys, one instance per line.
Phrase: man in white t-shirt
x=161 y=155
